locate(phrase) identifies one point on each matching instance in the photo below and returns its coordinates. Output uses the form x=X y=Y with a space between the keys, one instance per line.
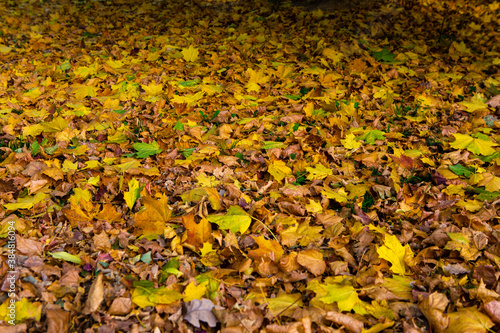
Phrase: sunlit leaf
x=395 y=253
x=133 y=193
x=476 y=146
x=66 y=256
x=235 y=220
x=147 y=149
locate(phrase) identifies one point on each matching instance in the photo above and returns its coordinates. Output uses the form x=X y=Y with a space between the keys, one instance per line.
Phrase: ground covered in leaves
x=246 y=166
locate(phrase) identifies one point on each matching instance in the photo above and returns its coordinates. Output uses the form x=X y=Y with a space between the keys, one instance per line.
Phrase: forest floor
x=204 y=166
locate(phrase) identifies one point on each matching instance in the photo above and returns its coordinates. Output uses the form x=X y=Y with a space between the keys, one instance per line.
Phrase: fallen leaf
x=200 y=310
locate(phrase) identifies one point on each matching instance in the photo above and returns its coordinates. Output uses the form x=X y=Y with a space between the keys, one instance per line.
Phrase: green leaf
x=66 y=256
x=235 y=220
x=343 y=294
x=179 y=126
x=146 y=295
x=460 y=170
x=292 y=97
x=273 y=144
x=65 y=66
x=370 y=136
x=147 y=149
x=485 y=195
x=384 y=55
x=35 y=148
x=119 y=111
x=189 y=83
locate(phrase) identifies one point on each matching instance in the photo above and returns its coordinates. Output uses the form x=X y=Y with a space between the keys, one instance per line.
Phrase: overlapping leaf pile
x=203 y=165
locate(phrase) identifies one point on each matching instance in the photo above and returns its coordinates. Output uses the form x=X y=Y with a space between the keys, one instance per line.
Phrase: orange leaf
x=268 y=248
x=153 y=219
x=313 y=261
x=196 y=233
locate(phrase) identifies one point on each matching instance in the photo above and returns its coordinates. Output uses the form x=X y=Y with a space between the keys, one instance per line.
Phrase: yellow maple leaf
x=190 y=54
x=153 y=219
x=318 y=172
x=476 y=146
x=256 y=78
x=350 y=142
x=395 y=253
x=22 y=309
x=33 y=93
x=80 y=194
x=333 y=55
x=84 y=71
x=490 y=182
x=340 y=195
x=209 y=256
x=85 y=91
x=279 y=170
x=194 y=291
x=268 y=248
x=188 y=99
x=153 y=89
x=115 y=63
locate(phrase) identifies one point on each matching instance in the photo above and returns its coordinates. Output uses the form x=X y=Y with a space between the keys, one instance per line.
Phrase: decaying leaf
x=200 y=310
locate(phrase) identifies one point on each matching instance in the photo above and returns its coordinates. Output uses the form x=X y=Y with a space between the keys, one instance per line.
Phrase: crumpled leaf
x=95 y=296
x=312 y=260
x=348 y=321
x=200 y=310
x=152 y=220
x=433 y=307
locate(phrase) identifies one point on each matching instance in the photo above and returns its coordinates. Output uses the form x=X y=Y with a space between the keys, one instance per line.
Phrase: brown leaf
x=493 y=310
x=349 y=322
x=196 y=233
x=313 y=261
x=200 y=310
x=433 y=308
x=102 y=242
x=28 y=247
x=121 y=306
x=57 y=320
x=96 y=296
